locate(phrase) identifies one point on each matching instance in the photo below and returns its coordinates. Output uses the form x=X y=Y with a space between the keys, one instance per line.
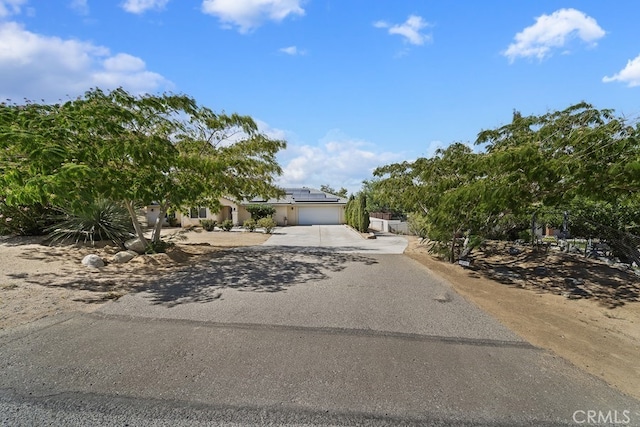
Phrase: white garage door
x=319 y=215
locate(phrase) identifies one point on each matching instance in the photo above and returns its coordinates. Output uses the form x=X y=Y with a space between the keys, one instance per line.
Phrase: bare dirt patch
x=585 y=311
x=37 y=280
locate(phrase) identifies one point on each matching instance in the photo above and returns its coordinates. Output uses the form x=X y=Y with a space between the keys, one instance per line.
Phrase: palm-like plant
x=101 y=220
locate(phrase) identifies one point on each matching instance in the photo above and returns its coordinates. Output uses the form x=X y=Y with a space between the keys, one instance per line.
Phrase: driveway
x=290 y=333
x=337 y=238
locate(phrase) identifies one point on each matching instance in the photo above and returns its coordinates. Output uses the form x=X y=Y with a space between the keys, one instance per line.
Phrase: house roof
x=302 y=195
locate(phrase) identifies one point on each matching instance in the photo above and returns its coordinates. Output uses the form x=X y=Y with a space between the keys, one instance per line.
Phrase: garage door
x=319 y=215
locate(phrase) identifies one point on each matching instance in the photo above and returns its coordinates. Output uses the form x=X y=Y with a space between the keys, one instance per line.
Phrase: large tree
x=576 y=159
x=134 y=150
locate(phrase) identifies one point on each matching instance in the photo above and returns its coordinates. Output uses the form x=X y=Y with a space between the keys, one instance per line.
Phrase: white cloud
x=250 y=14
x=410 y=29
x=272 y=133
x=554 y=31
x=141 y=6
x=79 y=6
x=337 y=160
x=10 y=7
x=293 y=51
x=38 y=67
x=629 y=74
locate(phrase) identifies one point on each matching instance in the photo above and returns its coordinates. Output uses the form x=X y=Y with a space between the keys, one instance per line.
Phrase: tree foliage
x=356 y=213
x=580 y=160
x=133 y=150
x=342 y=192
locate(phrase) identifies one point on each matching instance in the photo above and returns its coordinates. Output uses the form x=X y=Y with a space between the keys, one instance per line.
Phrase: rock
x=514 y=251
x=371 y=236
x=92 y=261
x=445 y=297
x=124 y=256
x=135 y=245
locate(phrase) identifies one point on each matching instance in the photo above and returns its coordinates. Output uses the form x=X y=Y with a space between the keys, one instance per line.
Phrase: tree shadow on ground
x=180 y=277
x=569 y=275
x=255 y=270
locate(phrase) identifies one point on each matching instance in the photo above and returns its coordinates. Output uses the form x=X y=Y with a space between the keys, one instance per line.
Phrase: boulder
x=124 y=256
x=136 y=245
x=92 y=261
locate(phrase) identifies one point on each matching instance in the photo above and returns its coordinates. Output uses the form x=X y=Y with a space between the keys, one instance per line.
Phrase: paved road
x=337 y=238
x=292 y=334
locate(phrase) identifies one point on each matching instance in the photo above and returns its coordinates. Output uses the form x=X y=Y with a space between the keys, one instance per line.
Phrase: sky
x=349 y=84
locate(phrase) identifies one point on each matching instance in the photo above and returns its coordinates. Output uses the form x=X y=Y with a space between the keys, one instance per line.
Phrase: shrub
x=356 y=213
x=227 y=225
x=208 y=224
x=159 y=247
x=173 y=221
x=31 y=220
x=250 y=224
x=101 y=220
x=259 y=211
x=268 y=224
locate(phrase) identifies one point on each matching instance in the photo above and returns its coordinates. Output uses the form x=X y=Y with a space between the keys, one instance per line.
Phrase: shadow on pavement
x=256 y=270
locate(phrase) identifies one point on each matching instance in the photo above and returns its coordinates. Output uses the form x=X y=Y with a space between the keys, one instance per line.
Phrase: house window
x=196 y=213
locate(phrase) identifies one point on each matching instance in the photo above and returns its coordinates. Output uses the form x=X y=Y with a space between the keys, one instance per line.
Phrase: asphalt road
x=294 y=334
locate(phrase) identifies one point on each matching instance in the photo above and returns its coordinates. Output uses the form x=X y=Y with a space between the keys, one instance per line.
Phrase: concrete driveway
x=337 y=238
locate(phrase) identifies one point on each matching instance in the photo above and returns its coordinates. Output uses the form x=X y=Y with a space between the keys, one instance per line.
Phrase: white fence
x=389 y=225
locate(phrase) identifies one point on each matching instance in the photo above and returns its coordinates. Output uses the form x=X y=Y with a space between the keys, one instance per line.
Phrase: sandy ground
x=593 y=322
x=37 y=280
x=584 y=311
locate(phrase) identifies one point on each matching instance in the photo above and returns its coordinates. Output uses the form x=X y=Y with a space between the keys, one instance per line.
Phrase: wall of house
x=241 y=215
x=283 y=215
x=229 y=210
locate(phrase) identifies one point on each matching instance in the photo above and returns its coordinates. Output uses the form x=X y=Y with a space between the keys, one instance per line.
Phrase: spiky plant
x=101 y=220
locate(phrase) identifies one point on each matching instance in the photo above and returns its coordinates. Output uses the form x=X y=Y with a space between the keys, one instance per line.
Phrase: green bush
x=227 y=225
x=250 y=224
x=208 y=224
x=159 y=247
x=259 y=211
x=268 y=224
x=101 y=220
x=356 y=214
x=173 y=221
x=32 y=220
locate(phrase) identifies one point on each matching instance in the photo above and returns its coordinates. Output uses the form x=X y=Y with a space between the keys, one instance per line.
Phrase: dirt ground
x=585 y=311
x=37 y=280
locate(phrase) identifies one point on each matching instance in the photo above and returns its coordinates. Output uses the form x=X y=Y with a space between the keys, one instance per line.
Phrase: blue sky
x=350 y=84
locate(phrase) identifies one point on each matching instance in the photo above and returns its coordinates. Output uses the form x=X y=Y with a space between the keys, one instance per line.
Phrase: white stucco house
x=299 y=206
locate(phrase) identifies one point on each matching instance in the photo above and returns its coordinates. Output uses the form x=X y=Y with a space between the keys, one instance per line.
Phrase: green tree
x=570 y=160
x=356 y=213
x=342 y=192
x=134 y=150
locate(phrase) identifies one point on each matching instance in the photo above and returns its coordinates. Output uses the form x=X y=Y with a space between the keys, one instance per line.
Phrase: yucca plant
x=101 y=220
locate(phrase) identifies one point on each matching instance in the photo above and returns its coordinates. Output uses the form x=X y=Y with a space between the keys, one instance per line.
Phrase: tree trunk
x=136 y=223
x=157 y=228
x=533 y=229
x=453 y=247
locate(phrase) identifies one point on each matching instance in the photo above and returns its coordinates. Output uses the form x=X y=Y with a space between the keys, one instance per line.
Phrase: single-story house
x=299 y=206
